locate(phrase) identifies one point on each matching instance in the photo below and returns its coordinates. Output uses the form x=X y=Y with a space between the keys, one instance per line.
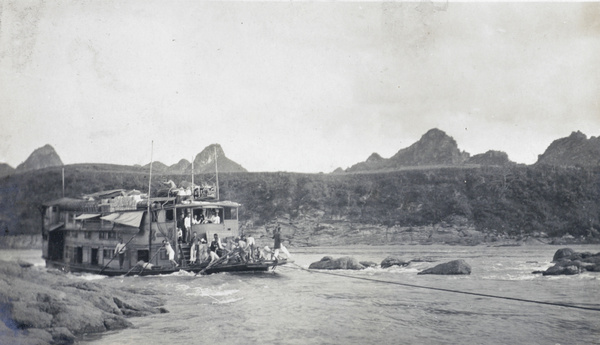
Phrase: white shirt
x=120 y=248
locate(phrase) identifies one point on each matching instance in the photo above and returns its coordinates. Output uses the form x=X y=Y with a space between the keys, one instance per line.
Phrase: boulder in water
x=343 y=263
x=569 y=262
x=448 y=268
x=393 y=261
x=562 y=253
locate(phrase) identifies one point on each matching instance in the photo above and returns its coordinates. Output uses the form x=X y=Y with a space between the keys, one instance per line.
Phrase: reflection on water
x=293 y=306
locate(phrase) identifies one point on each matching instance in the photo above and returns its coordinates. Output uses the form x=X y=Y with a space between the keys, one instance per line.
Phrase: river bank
x=39 y=306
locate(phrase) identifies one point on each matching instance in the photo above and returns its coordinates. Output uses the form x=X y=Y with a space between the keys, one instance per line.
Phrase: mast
x=148 y=214
x=193 y=178
x=217 y=173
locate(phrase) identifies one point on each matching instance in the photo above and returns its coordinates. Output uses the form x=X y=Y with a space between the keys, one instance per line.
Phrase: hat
x=202 y=241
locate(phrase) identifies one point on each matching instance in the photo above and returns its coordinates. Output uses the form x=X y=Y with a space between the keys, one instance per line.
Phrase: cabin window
x=102 y=235
x=87 y=234
x=107 y=253
x=74 y=234
x=169 y=215
x=230 y=213
x=143 y=255
x=67 y=252
x=112 y=234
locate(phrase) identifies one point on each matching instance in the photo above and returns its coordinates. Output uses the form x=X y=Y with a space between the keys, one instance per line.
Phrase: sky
x=292 y=86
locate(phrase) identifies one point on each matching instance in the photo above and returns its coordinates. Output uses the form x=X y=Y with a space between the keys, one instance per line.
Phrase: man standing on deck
x=277 y=242
x=120 y=250
x=187 y=224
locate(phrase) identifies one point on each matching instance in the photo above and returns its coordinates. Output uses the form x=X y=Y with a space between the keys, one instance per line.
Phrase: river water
x=295 y=306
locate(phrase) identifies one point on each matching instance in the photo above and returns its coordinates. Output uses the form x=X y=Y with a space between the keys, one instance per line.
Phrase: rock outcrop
x=6 y=169
x=574 y=150
x=42 y=157
x=204 y=162
x=569 y=262
x=452 y=267
x=433 y=149
x=47 y=307
x=343 y=263
x=491 y=158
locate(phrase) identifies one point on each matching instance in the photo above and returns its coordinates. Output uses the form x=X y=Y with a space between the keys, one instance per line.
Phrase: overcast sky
x=292 y=86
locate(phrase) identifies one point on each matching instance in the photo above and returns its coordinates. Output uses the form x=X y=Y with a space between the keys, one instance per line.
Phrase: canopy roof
x=87 y=216
x=126 y=218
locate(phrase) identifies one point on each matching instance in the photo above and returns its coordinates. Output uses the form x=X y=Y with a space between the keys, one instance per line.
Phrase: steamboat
x=82 y=234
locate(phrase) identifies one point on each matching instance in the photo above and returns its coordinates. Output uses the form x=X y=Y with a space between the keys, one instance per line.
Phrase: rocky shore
x=39 y=306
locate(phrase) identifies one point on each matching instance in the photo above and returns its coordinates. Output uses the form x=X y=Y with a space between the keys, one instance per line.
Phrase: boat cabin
x=81 y=234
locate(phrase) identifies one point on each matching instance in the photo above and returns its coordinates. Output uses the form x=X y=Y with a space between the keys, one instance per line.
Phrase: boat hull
x=203 y=268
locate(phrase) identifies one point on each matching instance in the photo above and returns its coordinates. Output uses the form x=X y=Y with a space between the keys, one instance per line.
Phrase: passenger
x=145 y=265
x=194 y=251
x=228 y=247
x=241 y=248
x=267 y=252
x=203 y=251
x=170 y=252
x=214 y=218
x=251 y=244
x=216 y=245
x=120 y=250
x=180 y=227
x=197 y=220
x=277 y=242
x=212 y=256
x=187 y=223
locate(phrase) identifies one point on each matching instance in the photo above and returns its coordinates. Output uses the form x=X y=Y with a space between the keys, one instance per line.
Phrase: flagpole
x=148 y=214
x=216 y=172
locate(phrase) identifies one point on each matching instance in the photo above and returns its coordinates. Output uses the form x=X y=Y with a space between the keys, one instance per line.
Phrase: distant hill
x=6 y=169
x=204 y=162
x=574 y=150
x=42 y=157
x=496 y=158
x=435 y=148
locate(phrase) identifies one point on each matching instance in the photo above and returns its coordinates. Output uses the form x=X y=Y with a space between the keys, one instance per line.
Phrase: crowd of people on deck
x=184 y=224
x=241 y=249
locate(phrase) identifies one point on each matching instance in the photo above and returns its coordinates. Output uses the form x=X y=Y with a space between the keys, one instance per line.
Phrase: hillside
x=450 y=205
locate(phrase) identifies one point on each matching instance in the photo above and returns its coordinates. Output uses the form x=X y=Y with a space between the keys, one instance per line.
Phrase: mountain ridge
x=434 y=149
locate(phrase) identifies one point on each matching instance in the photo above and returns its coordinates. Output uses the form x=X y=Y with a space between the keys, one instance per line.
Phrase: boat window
x=169 y=215
x=230 y=213
x=102 y=235
x=107 y=253
x=112 y=234
x=87 y=234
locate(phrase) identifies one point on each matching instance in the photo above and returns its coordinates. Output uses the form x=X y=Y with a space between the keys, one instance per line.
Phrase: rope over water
x=449 y=290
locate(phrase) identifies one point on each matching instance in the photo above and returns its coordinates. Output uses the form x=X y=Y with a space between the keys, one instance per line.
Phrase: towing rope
x=448 y=290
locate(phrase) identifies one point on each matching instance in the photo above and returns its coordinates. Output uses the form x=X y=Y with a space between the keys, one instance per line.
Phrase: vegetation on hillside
x=514 y=200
